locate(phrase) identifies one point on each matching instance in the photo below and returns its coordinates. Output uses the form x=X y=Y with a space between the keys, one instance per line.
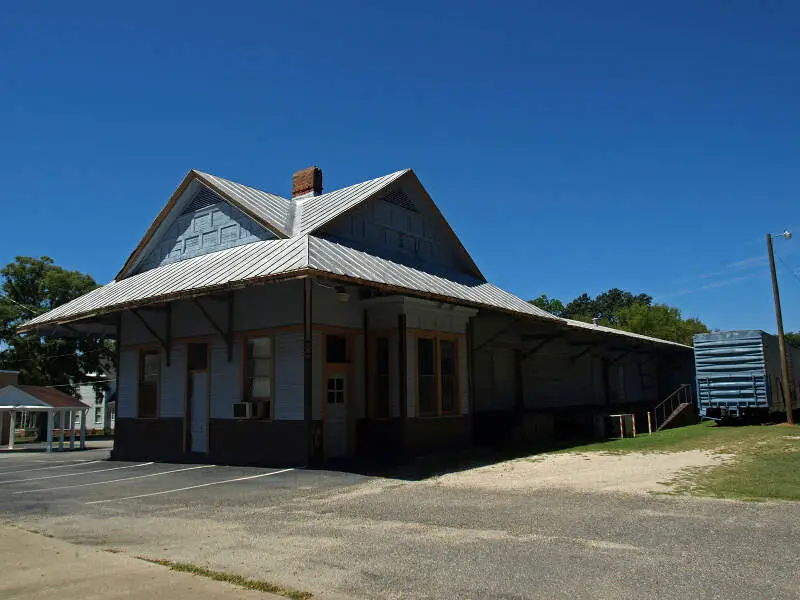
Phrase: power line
x=788 y=268
x=78 y=383
x=25 y=306
x=34 y=358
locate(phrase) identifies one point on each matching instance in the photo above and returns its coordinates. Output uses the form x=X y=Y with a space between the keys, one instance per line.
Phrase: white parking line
x=72 y=464
x=77 y=485
x=191 y=487
x=76 y=474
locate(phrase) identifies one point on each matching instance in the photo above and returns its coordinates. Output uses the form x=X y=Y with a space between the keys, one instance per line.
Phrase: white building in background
x=102 y=412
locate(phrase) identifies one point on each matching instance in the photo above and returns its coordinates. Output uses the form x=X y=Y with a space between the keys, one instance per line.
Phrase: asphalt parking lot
x=345 y=535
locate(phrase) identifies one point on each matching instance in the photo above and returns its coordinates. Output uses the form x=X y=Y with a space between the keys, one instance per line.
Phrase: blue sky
x=574 y=146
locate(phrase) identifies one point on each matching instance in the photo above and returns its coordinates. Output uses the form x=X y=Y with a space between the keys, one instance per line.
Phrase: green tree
x=552 y=305
x=659 y=320
x=627 y=311
x=793 y=338
x=31 y=286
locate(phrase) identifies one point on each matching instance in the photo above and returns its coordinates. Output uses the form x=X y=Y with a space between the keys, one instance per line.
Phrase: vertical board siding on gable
x=172 y=400
x=128 y=384
x=401 y=226
x=207 y=226
x=289 y=367
x=226 y=378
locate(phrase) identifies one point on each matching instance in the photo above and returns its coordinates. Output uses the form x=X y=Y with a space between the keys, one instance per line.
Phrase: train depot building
x=257 y=329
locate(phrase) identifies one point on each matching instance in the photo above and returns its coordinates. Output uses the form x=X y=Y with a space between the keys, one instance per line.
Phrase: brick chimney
x=9 y=378
x=307 y=182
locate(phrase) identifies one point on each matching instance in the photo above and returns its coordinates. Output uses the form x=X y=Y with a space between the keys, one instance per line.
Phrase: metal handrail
x=666 y=407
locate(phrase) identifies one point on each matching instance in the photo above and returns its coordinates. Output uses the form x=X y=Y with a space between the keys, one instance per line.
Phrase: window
x=335 y=349
x=336 y=390
x=381 y=394
x=447 y=368
x=437 y=376
x=98 y=414
x=426 y=373
x=258 y=372
x=149 y=381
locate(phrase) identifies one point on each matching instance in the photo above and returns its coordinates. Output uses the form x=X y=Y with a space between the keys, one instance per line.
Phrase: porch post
x=61 y=431
x=50 y=419
x=11 y=432
x=72 y=430
x=83 y=429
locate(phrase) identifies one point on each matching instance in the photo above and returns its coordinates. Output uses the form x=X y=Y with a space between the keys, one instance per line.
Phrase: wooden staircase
x=676 y=410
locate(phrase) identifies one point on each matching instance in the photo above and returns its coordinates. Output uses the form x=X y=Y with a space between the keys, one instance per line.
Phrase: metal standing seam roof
x=315 y=211
x=620 y=332
x=273 y=259
x=297 y=253
x=303 y=215
x=271 y=208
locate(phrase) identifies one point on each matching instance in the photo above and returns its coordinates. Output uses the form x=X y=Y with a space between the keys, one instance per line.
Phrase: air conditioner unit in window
x=260 y=410
x=242 y=410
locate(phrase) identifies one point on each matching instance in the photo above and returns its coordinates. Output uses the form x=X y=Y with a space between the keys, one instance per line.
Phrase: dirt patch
x=632 y=473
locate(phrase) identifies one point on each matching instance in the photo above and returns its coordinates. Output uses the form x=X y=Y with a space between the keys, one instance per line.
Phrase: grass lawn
x=766 y=464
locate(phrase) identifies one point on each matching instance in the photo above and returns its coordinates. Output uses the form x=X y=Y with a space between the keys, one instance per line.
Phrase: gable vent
x=399 y=198
x=203 y=199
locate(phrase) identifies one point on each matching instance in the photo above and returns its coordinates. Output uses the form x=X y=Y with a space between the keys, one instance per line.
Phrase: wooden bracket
x=496 y=335
x=226 y=333
x=582 y=353
x=163 y=342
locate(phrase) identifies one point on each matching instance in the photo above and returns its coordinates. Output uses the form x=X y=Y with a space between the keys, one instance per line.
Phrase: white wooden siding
x=226 y=378
x=128 y=383
x=172 y=400
x=289 y=396
x=271 y=305
x=329 y=310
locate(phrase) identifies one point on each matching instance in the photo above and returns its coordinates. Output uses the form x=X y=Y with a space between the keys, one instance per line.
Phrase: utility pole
x=787 y=390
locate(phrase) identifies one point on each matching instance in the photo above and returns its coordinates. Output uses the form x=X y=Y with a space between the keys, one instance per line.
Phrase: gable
x=401 y=223
x=201 y=223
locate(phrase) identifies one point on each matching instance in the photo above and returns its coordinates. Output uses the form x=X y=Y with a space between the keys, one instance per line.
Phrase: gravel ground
x=590 y=472
x=342 y=535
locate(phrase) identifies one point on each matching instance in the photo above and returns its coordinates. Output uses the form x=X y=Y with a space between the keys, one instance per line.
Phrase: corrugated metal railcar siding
x=172 y=402
x=289 y=365
x=731 y=369
x=128 y=383
x=226 y=379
